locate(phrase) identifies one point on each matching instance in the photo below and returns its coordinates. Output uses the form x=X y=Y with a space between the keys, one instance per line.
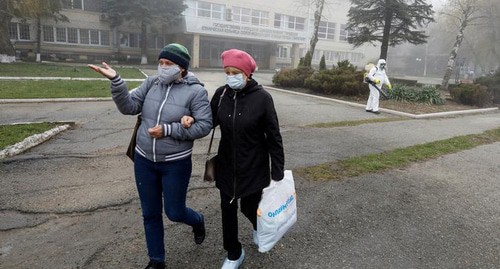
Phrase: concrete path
x=71 y=202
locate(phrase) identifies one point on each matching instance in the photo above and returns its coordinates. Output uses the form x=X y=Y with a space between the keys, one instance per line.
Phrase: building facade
x=276 y=33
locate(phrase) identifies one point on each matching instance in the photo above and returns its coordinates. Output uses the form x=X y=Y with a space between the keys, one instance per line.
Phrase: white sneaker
x=229 y=264
x=255 y=238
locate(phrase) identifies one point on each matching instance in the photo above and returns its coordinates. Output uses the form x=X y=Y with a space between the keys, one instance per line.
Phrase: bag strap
x=213 y=131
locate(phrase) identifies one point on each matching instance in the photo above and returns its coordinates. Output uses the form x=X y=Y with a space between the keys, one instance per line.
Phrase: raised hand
x=105 y=70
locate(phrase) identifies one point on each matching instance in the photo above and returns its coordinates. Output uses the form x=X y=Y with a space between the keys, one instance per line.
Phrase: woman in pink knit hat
x=250 y=151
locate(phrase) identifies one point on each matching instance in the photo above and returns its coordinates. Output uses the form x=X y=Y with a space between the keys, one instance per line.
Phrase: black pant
x=249 y=205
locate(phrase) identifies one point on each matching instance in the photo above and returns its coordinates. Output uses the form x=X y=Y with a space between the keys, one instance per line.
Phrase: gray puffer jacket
x=165 y=105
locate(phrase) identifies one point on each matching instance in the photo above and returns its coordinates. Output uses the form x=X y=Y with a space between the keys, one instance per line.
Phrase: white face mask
x=236 y=82
x=168 y=74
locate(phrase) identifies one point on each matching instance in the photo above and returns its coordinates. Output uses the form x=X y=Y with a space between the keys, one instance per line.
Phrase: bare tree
x=318 y=13
x=484 y=38
x=319 y=5
x=463 y=13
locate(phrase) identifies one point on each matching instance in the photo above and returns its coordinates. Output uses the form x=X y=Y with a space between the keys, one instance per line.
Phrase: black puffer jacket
x=250 y=137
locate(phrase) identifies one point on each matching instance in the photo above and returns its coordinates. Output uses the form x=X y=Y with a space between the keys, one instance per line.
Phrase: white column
x=272 y=56
x=195 y=54
x=295 y=53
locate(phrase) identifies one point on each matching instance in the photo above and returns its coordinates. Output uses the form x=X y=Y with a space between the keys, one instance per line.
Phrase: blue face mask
x=168 y=74
x=236 y=82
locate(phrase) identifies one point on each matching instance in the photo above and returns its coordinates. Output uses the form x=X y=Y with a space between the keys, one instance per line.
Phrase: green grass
x=352 y=123
x=12 y=134
x=60 y=70
x=397 y=158
x=10 y=89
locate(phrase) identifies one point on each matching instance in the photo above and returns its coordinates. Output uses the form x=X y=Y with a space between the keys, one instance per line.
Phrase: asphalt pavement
x=71 y=201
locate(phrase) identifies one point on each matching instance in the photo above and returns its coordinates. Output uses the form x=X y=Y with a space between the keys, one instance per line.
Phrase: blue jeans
x=170 y=179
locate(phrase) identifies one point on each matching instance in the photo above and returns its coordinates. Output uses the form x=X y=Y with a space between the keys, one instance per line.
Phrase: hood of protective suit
x=381 y=63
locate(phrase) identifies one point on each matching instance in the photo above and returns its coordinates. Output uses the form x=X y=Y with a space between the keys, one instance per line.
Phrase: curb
x=54 y=100
x=32 y=141
x=390 y=111
x=68 y=78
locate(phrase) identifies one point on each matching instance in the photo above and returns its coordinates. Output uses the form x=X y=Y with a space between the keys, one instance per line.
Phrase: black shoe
x=376 y=112
x=368 y=110
x=155 y=265
x=199 y=231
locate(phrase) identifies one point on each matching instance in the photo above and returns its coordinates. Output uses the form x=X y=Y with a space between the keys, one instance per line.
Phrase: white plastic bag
x=277 y=211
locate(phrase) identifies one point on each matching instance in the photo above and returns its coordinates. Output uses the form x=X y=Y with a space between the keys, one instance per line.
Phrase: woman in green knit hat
x=175 y=111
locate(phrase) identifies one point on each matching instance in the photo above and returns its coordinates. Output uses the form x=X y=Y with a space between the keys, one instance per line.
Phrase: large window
x=13 y=31
x=94 y=5
x=73 y=4
x=24 y=31
x=84 y=36
x=94 y=37
x=75 y=36
x=326 y=30
x=131 y=40
x=209 y=10
x=250 y=16
x=344 y=34
x=241 y=15
x=104 y=37
x=48 y=33
x=61 y=34
x=260 y=17
x=289 y=22
x=88 y=5
x=19 y=31
x=329 y=55
x=282 y=52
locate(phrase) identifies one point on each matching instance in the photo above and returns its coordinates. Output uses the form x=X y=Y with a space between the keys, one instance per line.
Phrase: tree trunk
x=144 y=43
x=116 y=41
x=453 y=56
x=492 y=22
x=6 y=48
x=387 y=30
x=314 y=39
x=38 y=39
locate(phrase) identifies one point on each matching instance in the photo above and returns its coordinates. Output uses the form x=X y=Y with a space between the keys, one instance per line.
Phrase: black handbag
x=209 y=174
x=131 y=146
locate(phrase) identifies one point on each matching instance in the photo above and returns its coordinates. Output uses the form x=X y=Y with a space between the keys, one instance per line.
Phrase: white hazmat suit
x=379 y=77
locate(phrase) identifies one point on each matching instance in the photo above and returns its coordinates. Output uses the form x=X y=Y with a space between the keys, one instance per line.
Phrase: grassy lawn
x=12 y=134
x=21 y=89
x=10 y=89
x=396 y=158
x=60 y=70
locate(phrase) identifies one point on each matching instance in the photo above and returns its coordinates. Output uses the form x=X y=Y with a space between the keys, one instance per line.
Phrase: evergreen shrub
x=342 y=79
x=322 y=63
x=493 y=84
x=292 y=77
x=472 y=94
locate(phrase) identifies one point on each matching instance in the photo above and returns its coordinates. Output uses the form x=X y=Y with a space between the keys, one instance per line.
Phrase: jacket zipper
x=234 y=148
x=158 y=119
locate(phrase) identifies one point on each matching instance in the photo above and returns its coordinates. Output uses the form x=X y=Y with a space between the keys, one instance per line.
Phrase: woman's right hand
x=105 y=70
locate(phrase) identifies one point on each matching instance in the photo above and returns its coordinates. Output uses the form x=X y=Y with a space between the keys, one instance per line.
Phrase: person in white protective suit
x=378 y=76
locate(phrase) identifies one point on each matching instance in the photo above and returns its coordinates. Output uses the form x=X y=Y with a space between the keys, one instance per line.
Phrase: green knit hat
x=176 y=53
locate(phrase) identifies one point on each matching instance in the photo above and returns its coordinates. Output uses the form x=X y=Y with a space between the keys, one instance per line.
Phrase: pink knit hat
x=239 y=59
